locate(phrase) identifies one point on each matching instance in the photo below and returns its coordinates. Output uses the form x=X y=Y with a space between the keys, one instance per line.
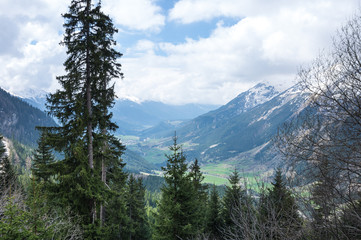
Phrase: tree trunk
x=104 y=179
x=89 y=106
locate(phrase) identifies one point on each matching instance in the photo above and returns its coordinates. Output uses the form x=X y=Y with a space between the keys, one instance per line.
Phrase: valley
x=237 y=135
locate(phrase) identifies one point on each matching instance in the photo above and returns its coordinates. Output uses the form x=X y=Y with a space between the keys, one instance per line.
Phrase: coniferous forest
x=78 y=188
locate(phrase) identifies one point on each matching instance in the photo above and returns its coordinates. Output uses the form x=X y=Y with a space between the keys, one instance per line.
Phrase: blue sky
x=177 y=51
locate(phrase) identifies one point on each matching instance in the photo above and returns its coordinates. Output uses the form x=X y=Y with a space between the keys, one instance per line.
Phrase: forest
x=78 y=188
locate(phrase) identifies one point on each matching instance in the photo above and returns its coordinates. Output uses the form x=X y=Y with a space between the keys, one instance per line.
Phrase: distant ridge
x=18 y=119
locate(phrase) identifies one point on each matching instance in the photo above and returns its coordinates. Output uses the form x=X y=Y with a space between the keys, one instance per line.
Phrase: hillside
x=135 y=118
x=241 y=131
x=18 y=119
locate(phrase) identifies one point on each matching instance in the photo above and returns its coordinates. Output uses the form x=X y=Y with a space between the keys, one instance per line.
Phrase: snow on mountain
x=32 y=93
x=289 y=96
x=257 y=95
x=34 y=97
x=243 y=103
x=242 y=126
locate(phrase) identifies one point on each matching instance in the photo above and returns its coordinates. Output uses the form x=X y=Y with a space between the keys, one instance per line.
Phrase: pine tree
x=232 y=200
x=13 y=222
x=7 y=171
x=39 y=222
x=323 y=195
x=85 y=136
x=43 y=163
x=279 y=211
x=176 y=218
x=214 y=220
x=138 y=225
x=200 y=192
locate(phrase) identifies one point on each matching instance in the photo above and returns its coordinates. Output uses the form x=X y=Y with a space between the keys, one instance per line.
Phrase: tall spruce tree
x=43 y=163
x=82 y=107
x=7 y=171
x=176 y=218
x=214 y=220
x=201 y=195
x=232 y=200
x=279 y=212
x=135 y=197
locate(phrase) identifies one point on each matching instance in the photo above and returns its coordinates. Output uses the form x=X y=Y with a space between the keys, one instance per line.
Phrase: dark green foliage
x=279 y=212
x=38 y=210
x=153 y=183
x=176 y=218
x=90 y=176
x=136 y=163
x=32 y=218
x=232 y=200
x=43 y=163
x=200 y=191
x=135 y=199
x=7 y=171
x=13 y=222
x=116 y=214
x=214 y=220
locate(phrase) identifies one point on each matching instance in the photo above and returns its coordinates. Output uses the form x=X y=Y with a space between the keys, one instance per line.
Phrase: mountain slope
x=243 y=128
x=133 y=117
x=36 y=98
x=18 y=119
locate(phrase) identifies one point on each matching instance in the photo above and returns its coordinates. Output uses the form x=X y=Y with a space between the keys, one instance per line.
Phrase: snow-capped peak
x=32 y=93
x=255 y=96
x=28 y=93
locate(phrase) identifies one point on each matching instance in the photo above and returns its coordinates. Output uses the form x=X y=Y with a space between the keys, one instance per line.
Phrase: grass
x=215 y=180
x=221 y=170
x=214 y=173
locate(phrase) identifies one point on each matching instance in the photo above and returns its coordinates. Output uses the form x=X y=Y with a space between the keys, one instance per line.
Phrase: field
x=154 y=151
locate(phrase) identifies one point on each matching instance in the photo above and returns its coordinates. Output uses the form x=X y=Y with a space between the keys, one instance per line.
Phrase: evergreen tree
x=7 y=171
x=37 y=212
x=200 y=192
x=85 y=136
x=279 y=212
x=42 y=167
x=13 y=222
x=214 y=220
x=232 y=200
x=176 y=218
x=323 y=195
x=138 y=225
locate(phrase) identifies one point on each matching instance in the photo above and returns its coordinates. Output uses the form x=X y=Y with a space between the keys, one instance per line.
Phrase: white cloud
x=268 y=44
x=188 y=11
x=30 y=55
x=143 y=15
x=34 y=38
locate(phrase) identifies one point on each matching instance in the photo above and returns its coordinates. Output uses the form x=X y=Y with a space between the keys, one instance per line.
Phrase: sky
x=177 y=51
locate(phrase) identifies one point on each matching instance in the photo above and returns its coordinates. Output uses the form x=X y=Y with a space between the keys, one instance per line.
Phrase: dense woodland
x=77 y=187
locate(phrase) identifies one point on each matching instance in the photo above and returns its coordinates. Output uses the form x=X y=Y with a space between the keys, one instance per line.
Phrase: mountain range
x=18 y=119
x=134 y=117
x=241 y=131
x=238 y=133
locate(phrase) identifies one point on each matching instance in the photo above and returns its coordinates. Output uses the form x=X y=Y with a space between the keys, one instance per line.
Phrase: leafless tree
x=323 y=145
x=250 y=223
